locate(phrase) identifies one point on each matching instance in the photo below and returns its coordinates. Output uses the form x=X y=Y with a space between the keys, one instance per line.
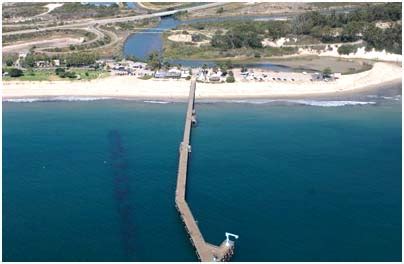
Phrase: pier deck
x=204 y=250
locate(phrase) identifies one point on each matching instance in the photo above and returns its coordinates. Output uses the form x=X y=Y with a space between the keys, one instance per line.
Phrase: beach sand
x=131 y=87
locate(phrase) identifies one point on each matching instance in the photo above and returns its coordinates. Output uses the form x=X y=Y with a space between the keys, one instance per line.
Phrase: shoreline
x=128 y=87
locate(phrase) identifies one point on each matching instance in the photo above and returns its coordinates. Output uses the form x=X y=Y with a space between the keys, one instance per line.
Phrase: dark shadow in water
x=119 y=166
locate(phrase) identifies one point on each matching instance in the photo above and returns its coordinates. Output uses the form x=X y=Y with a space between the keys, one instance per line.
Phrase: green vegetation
x=50 y=75
x=230 y=79
x=243 y=39
x=347 y=49
x=23 y=9
x=41 y=35
x=146 y=77
x=13 y=72
x=63 y=74
x=359 y=24
x=74 y=10
x=71 y=59
x=197 y=37
x=155 y=61
x=327 y=72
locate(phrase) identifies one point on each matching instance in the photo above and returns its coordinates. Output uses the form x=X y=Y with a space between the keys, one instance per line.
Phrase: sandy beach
x=130 y=87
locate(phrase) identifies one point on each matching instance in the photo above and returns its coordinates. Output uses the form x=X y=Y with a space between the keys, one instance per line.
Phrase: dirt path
x=54 y=43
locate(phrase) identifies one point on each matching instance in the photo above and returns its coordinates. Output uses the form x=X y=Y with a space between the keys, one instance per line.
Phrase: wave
x=330 y=103
x=320 y=103
x=22 y=100
x=156 y=102
x=395 y=98
x=51 y=99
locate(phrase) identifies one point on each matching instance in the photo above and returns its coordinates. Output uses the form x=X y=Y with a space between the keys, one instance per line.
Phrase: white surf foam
x=156 y=102
x=320 y=103
x=50 y=99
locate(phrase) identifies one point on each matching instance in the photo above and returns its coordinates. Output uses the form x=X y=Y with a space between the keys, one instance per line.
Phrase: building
x=144 y=72
x=173 y=73
x=214 y=78
x=139 y=65
x=160 y=74
x=185 y=73
x=336 y=75
x=56 y=63
x=42 y=64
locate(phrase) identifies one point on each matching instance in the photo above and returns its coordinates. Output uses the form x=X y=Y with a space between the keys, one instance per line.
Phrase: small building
x=336 y=75
x=160 y=74
x=139 y=65
x=317 y=76
x=185 y=73
x=42 y=64
x=119 y=72
x=145 y=72
x=173 y=73
x=56 y=63
x=214 y=78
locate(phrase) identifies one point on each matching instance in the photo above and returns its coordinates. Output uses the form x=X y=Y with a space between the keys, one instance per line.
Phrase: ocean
x=297 y=180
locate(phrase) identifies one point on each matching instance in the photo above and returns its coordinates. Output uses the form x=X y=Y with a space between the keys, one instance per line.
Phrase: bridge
x=103 y=21
x=205 y=251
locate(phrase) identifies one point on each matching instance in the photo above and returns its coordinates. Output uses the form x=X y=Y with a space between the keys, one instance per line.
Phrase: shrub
x=13 y=72
x=146 y=77
x=230 y=79
x=9 y=62
x=58 y=71
x=188 y=78
x=327 y=72
x=71 y=75
x=347 y=49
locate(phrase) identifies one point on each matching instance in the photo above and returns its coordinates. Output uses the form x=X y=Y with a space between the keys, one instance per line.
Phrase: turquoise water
x=95 y=181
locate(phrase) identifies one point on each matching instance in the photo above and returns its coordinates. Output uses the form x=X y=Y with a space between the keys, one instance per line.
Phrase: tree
x=166 y=64
x=220 y=10
x=58 y=71
x=154 y=60
x=13 y=72
x=347 y=49
x=9 y=62
x=230 y=79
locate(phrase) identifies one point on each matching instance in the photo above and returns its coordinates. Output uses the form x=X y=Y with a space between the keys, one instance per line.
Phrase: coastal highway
x=114 y=20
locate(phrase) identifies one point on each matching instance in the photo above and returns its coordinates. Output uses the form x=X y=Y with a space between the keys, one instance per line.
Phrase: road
x=114 y=20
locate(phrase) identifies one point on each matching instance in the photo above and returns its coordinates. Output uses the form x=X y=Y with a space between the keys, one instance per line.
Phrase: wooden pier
x=205 y=251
